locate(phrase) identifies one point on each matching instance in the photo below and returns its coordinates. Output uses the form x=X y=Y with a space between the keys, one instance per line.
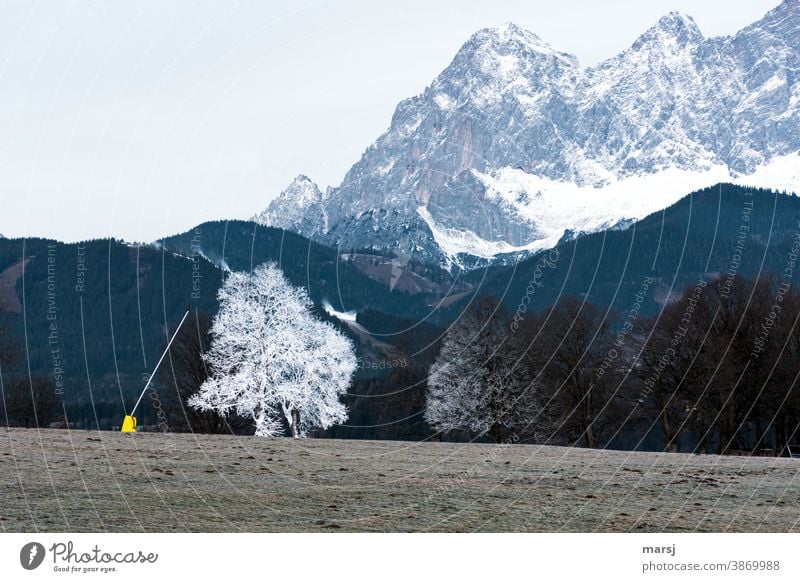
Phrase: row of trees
x=715 y=371
x=540 y=381
x=723 y=363
x=31 y=402
x=26 y=401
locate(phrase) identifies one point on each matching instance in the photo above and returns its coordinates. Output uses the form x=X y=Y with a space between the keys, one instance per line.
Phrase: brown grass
x=58 y=480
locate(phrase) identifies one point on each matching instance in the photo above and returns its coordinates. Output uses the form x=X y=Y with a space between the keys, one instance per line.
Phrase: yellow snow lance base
x=128 y=424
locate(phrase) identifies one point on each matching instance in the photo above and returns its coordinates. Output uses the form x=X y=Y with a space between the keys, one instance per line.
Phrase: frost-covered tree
x=270 y=357
x=475 y=383
x=311 y=399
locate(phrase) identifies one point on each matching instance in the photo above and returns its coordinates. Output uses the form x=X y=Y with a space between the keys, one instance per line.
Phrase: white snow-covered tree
x=476 y=384
x=270 y=357
x=311 y=398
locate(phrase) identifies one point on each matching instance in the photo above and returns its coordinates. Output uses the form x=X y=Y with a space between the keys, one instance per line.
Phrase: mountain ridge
x=500 y=149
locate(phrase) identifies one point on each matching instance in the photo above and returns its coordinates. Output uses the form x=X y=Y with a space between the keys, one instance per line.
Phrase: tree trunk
x=670 y=436
x=496 y=433
x=260 y=417
x=702 y=431
x=572 y=440
x=780 y=437
x=588 y=420
x=295 y=424
x=727 y=434
x=733 y=421
x=591 y=442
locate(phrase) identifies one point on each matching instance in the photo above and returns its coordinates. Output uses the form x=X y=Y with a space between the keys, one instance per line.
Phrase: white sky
x=142 y=119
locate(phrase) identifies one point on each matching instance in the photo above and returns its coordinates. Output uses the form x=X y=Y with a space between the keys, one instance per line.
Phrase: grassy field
x=57 y=480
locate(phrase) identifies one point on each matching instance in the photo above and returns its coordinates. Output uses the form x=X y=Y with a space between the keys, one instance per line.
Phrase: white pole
x=160 y=360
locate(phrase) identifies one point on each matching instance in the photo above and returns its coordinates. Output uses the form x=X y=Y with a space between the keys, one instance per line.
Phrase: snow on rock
x=299 y=208
x=514 y=142
x=453 y=241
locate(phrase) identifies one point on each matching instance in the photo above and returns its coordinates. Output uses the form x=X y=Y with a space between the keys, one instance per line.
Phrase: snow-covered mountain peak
x=511 y=38
x=299 y=208
x=673 y=32
x=493 y=49
x=499 y=63
x=786 y=7
x=509 y=31
x=303 y=191
x=678 y=25
x=513 y=143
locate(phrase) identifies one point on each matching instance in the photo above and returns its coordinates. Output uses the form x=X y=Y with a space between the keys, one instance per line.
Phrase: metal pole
x=150 y=379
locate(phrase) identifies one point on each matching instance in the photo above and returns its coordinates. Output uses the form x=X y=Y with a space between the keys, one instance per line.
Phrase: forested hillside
x=708 y=232
x=94 y=316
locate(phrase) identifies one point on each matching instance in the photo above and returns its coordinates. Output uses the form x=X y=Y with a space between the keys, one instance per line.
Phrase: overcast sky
x=142 y=119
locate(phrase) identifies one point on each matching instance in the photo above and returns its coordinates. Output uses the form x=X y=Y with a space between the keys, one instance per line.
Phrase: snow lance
x=129 y=422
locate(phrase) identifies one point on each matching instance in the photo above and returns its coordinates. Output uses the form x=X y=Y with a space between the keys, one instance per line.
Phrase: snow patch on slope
x=346 y=316
x=455 y=241
x=782 y=173
x=556 y=206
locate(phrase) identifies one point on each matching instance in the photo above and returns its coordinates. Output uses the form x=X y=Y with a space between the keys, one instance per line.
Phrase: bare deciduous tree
x=33 y=402
x=580 y=366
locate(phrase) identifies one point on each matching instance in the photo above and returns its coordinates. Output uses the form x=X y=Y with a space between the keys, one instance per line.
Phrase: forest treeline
x=716 y=370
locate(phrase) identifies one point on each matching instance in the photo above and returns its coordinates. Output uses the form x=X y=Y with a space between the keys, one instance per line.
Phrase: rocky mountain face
x=515 y=143
x=299 y=208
